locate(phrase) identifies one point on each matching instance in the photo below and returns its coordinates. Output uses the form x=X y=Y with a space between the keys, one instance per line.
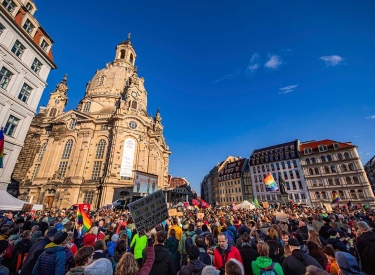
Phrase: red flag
x=186 y=204
x=194 y=202
x=234 y=207
x=204 y=204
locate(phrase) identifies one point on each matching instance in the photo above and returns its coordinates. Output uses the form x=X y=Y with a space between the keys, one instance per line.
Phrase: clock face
x=57 y=101
x=134 y=94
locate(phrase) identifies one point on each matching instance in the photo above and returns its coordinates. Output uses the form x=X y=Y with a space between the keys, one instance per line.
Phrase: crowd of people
x=310 y=241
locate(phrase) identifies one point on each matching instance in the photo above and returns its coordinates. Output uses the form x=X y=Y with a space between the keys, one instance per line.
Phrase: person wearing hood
x=224 y=252
x=348 y=265
x=209 y=270
x=163 y=263
x=3 y=246
x=264 y=262
x=366 y=247
x=53 y=259
x=83 y=258
x=36 y=250
x=296 y=263
x=112 y=245
x=194 y=265
x=99 y=267
x=323 y=232
x=248 y=254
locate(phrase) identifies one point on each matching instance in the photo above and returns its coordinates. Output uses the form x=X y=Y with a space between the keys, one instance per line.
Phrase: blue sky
x=230 y=76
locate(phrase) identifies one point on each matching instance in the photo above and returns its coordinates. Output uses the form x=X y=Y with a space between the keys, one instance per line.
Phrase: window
x=355 y=180
x=63 y=165
x=351 y=167
x=330 y=181
x=300 y=185
x=335 y=146
x=263 y=169
x=88 y=197
x=100 y=149
x=317 y=195
x=44 y=45
x=348 y=180
x=307 y=151
x=271 y=158
x=289 y=165
x=2 y=28
x=257 y=188
x=346 y=155
x=101 y=80
x=9 y=5
x=333 y=169
x=42 y=151
x=25 y=93
x=267 y=168
x=291 y=196
x=337 y=181
x=11 y=125
x=323 y=158
x=86 y=107
x=67 y=149
x=307 y=161
x=131 y=58
x=341 y=194
x=323 y=148
x=96 y=170
x=278 y=166
x=258 y=168
x=287 y=155
x=324 y=195
x=316 y=171
x=266 y=158
x=297 y=174
x=343 y=168
x=291 y=174
x=314 y=183
x=72 y=124
x=29 y=7
x=132 y=125
x=5 y=77
x=296 y=196
x=329 y=158
x=326 y=169
x=18 y=49
x=37 y=66
x=35 y=171
x=134 y=104
x=360 y=194
x=122 y=54
x=268 y=197
x=294 y=185
x=28 y=26
x=287 y=185
x=273 y=167
x=320 y=182
x=261 y=188
x=53 y=112
x=285 y=175
x=303 y=196
x=281 y=156
x=292 y=155
x=260 y=178
x=311 y=171
x=353 y=195
x=313 y=160
x=339 y=156
x=254 y=170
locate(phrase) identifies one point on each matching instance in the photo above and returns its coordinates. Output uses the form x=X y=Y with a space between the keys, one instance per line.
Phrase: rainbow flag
x=270 y=183
x=1 y=147
x=256 y=202
x=83 y=218
x=196 y=207
x=335 y=198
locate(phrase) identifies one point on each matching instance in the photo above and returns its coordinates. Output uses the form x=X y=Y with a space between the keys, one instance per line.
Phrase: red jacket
x=230 y=253
x=89 y=239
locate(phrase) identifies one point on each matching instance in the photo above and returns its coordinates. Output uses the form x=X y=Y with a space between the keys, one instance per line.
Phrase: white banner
x=127 y=158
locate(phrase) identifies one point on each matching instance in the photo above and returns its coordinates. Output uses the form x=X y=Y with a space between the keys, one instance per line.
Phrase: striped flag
x=83 y=218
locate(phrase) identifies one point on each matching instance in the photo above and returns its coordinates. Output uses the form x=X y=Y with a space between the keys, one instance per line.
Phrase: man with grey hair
x=298 y=261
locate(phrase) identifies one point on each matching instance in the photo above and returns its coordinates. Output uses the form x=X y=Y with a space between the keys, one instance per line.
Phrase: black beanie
x=60 y=237
x=194 y=253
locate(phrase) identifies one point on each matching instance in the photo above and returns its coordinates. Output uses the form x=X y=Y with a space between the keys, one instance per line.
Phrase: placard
x=265 y=204
x=149 y=211
x=27 y=207
x=180 y=214
x=200 y=216
x=172 y=212
x=281 y=217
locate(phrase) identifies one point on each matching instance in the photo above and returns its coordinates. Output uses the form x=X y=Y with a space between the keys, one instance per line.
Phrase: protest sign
x=180 y=214
x=281 y=217
x=265 y=204
x=149 y=211
x=27 y=207
x=200 y=216
x=172 y=212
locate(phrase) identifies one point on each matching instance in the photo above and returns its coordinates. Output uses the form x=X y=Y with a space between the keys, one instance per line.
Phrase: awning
x=8 y=202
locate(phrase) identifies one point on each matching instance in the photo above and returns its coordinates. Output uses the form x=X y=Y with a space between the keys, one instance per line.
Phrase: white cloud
x=368 y=154
x=371 y=117
x=229 y=76
x=332 y=60
x=274 y=62
x=287 y=89
x=253 y=65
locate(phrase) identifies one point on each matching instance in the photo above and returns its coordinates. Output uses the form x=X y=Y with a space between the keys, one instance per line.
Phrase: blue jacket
x=51 y=261
x=111 y=248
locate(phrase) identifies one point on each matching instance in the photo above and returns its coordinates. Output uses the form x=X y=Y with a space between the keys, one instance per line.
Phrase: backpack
x=269 y=270
x=9 y=251
x=188 y=242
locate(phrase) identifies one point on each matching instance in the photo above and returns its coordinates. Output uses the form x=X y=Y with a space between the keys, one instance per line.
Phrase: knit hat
x=194 y=253
x=301 y=223
x=60 y=237
x=293 y=242
x=3 y=245
x=99 y=267
x=115 y=238
x=51 y=232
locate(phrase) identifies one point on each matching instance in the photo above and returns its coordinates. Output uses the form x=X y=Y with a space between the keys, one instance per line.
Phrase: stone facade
x=25 y=63
x=92 y=154
x=370 y=172
x=334 y=167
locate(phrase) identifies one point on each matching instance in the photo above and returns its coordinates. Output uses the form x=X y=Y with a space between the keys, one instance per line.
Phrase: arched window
x=324 y=195
x=353 y=195
x=131 y=58
x=339 y=156
x=101 y=80
x=134 y=104
x=122 y=54
x=67 y=149
x=341 y=194
x=317 y=195
x=323 y=158
x=313 y=160
x=355 y=180
x=72 y=124
x=316 y=171
x=307 y=161
x=53 y=112
x=344 y=168
x=100 y=149
x=351 y=167
x=360 y=193
x=348 y=180
x=311 y=172
x=86 y=107
x=88 y=197
x=326 y=169
x=346 y=155
x=329 y=158
x=333 y=169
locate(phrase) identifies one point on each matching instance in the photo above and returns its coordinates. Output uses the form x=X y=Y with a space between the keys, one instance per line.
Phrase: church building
x=94 y=153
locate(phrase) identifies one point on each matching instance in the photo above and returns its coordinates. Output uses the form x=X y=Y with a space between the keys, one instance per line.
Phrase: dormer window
x=86 y=107
x=44 y=45
x=323 y=148
x=336 y=146
x=9 y=5
x=29 y=7
x=28 y=27
x=307 y=151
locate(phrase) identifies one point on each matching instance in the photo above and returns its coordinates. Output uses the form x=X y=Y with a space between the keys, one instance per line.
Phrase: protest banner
x=265 y=204
x=281 y=217
x=180 y=214
x=27 y=207
x=200 y=216
x=149 y=211
x=172 y=212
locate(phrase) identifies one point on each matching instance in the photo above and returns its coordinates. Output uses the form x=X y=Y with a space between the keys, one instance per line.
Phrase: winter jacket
x=296 y=263
x=139 y=244
x=172 y=245
x=323 y=232
x=69 y=262
x=317 y=253
x=178 y=231
x=76 y=271
x=222 y=256
x=111 y=248
x=366 y=250
x=204 y=257
x=337 y=244
x=192 y=267
x=264 y=262
x=51 y=261
x=181 y=247
x=303 y=232
x=32 y=257
x=348 y=264
x=163 y=263
x=146 y=268
x=21 y=248
x=99 y=254
x=89 y=239
x=3 y=269
x=248 y=255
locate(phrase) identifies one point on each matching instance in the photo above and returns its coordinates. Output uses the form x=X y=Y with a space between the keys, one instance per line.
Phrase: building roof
x=314 y=145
